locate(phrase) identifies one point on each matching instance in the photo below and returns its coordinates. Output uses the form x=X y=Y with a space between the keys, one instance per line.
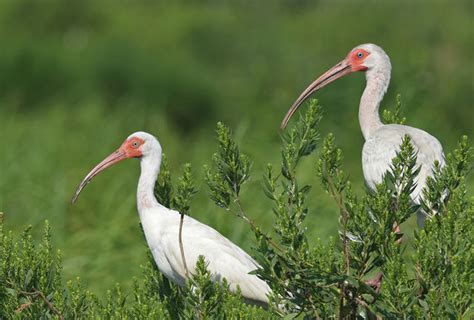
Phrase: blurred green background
x=77 y=77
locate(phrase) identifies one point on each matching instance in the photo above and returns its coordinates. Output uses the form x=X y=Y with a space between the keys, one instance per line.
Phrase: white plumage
x=161 y=228
x=381 y=147
x=226 y=260
x=382 y=141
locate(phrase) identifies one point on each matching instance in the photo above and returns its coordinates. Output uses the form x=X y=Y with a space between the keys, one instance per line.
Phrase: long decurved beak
x=115 y=157
x=339 y=70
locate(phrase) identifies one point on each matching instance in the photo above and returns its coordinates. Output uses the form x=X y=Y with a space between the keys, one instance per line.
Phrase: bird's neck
x=377 y=84
x=150 y=167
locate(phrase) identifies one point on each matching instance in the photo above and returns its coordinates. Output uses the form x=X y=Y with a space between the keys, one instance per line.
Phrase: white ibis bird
x=381 y=140
x=161 y=227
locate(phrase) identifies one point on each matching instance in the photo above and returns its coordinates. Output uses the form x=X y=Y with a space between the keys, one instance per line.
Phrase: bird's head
x=366 y=57
x=138 y=145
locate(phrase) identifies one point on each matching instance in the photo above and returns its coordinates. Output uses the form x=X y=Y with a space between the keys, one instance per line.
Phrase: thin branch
x=341 y=302
x=37 y=293
x=181 y=246
x=23 y=306
x=344 y=217
x=241 y=214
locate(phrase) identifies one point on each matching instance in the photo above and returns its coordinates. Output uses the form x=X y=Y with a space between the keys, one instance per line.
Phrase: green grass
x=77 y=81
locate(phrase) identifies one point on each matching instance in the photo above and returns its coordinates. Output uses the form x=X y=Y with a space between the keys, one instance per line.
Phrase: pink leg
x=376 y=282
x=397 y=231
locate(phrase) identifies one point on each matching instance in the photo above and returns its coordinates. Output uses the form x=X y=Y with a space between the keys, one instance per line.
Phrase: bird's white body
x=382 y=141
x=225 y=259
x=161 y=228
x=381 y=147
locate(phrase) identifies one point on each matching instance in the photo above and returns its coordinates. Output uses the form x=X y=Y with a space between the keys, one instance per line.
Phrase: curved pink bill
x=339 y=70
x=107 y=162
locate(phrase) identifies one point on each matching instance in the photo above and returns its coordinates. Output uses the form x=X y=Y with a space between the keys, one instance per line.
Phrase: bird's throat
x=369 y=118
x=146 y=184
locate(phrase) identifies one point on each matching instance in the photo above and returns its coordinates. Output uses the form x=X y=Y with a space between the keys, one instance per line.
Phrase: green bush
x=32 y=288
x=77 y=77
x=309 y=280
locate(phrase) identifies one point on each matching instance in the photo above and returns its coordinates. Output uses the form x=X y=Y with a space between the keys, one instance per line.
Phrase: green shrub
x=32 y=288
x=309 y=280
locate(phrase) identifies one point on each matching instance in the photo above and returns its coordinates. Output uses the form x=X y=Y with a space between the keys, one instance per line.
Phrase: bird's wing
x=224 y=258
x=381 y=148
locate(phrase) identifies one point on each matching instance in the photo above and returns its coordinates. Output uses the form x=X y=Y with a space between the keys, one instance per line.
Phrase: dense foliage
x=31 y=287
x=77 y=77
x=308 y=279
x=321 y=281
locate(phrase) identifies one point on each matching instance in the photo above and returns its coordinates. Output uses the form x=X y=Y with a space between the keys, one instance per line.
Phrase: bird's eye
x=135 y=144
x=360 y=55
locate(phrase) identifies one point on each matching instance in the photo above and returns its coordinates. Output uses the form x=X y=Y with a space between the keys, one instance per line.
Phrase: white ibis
x=161 y=227
x=381 y=140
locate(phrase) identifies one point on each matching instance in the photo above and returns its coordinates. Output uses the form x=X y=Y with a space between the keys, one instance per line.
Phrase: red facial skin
x=131 y=147
x=356 y=59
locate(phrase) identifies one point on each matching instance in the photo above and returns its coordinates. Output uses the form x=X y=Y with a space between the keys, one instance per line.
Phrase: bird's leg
x=396 y=229
x=376 y=282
